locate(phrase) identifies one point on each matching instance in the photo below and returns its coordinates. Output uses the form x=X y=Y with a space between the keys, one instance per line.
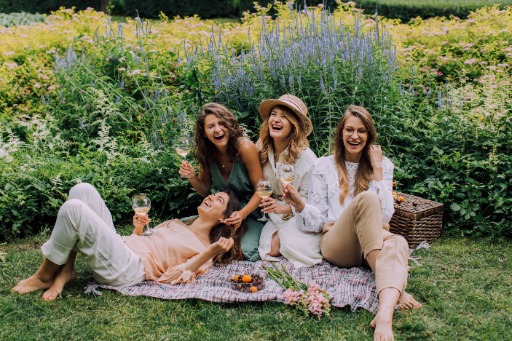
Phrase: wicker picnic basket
x=417 y=219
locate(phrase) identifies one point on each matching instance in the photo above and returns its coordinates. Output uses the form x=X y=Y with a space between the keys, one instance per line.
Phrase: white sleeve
x=384 y=190
x=314 y=214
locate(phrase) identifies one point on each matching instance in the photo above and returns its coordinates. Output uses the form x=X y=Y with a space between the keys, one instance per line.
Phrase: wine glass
x=287 y=173
x=264 y=190
x=183 y=145
x=141 y=205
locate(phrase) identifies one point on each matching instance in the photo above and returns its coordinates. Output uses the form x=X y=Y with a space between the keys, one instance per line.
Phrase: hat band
x=295 y=105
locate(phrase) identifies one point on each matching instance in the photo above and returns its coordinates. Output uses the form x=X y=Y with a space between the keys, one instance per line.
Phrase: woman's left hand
x=234 y=220
x=375 y=153
x=268 y=205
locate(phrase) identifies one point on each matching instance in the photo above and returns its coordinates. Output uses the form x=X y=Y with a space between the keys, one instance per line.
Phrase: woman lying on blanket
x=175 y=253
x=227 y=159
x=283 y=140
x=350 y=201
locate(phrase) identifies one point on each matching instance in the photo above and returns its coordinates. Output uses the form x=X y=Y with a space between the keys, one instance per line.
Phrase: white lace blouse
x=323 y=202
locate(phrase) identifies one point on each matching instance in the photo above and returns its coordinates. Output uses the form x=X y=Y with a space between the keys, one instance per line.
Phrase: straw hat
x=294 y=104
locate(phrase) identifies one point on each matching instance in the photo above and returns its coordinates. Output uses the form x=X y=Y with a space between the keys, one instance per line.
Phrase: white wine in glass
x=287 y=173
x=141 y=205
x=183 y=146
x=264 y=190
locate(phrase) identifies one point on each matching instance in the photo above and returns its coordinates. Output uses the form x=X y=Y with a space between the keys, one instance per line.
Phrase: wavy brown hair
x=205 y=149
x=228 y=231
x=298 y=139
x=364 y=171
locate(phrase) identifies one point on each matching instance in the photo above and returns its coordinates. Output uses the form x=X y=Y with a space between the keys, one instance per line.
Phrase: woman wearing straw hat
x=227 y=160
x=349 y=199
x=282 y=141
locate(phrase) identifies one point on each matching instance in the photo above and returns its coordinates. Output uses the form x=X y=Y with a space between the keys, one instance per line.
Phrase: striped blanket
x=347 y=287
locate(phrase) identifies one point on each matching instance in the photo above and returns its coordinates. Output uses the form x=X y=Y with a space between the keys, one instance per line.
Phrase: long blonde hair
x=364 y=171
x=298 y=138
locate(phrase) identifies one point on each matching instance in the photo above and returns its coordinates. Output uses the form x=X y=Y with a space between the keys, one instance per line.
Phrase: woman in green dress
x=228 y=160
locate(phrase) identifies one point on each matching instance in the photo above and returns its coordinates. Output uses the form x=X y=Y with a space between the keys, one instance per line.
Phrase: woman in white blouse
x=283 y=140
x=350 y=201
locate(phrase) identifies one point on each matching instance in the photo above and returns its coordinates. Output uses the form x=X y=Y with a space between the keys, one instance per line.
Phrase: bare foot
x=63 y=277
x=406 y=301
x=383 y=329
x=33 y=283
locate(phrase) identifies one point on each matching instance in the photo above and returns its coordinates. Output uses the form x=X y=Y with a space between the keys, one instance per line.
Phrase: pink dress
x=165 y=254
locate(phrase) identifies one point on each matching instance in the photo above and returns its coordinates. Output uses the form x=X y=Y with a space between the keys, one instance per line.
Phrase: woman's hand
x=221 y=246
x=234 y=220
x=291 y=196
x=270 y=205
x=186 y=170
x=375 y=153
x=139 y=221
x=327 y=226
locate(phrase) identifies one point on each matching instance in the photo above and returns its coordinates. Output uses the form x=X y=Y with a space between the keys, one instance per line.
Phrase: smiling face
x=355 y=136
x=214 y=206
x=279 y=125
x=216 y=131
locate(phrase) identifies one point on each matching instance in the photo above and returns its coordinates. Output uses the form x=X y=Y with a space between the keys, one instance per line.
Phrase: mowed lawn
x=464 y=285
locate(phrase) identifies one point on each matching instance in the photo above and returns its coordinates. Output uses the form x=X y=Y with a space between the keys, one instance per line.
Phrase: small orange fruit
x=236 y=278
x=394 y=193
x=394 y=183
x=401 y=199
x=246 y=279
x=253 y=289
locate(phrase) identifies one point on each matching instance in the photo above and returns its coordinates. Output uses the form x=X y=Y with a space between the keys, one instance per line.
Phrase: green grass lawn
x=464 y=285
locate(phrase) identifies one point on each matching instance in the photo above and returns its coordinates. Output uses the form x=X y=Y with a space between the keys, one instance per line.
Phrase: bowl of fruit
x=247 y=283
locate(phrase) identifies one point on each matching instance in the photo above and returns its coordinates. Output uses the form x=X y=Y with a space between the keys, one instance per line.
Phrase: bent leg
x=78 y=227
x=66 y=274
x=356 y=233
x=86 y=193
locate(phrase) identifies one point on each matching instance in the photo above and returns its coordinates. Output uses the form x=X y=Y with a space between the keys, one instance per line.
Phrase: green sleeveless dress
x=240 y=184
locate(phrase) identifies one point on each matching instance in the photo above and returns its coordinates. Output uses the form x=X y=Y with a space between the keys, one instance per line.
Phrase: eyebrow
x=221 y=198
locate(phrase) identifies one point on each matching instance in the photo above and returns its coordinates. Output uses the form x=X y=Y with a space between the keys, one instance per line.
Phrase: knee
x=72 y=207
x=368 y=199
x=401 y=243
x=81 y=190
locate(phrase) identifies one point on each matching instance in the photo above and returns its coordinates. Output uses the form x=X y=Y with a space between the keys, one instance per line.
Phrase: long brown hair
x=298 y=139
x=205 y=149
x=228 y=231
x=364 y=171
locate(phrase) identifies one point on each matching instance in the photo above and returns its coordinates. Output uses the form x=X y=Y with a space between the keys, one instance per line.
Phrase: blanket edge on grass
x=354 y=287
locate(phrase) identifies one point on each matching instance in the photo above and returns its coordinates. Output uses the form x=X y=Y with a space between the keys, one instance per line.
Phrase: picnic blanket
x=353 y=287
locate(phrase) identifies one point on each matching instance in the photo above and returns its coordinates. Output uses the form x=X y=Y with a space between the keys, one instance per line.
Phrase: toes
x=51 y=294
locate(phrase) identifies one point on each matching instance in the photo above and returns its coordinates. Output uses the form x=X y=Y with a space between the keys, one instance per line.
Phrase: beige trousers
x=357 y=232
x=84 y=224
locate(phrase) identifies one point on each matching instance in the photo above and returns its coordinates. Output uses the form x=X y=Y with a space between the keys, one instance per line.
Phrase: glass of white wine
x=183 y=146
x=141 y=205
x=264 y=190
x=287 y=173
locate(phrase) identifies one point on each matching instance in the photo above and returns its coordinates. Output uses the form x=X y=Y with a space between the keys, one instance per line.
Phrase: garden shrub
x=102 y=102
x=18 y=19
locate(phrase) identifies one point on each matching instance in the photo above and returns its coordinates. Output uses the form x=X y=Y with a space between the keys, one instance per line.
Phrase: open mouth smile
x=219 y=137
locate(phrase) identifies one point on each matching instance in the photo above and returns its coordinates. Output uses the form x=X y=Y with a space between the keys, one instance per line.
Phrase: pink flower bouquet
x=310 y=299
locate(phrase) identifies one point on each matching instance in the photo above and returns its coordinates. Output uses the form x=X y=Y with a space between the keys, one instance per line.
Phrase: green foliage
x=405 y=10
x=106 y=109
x=327 y=64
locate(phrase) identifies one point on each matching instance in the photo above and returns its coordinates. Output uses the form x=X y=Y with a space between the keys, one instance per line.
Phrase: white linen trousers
x=84 y=224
